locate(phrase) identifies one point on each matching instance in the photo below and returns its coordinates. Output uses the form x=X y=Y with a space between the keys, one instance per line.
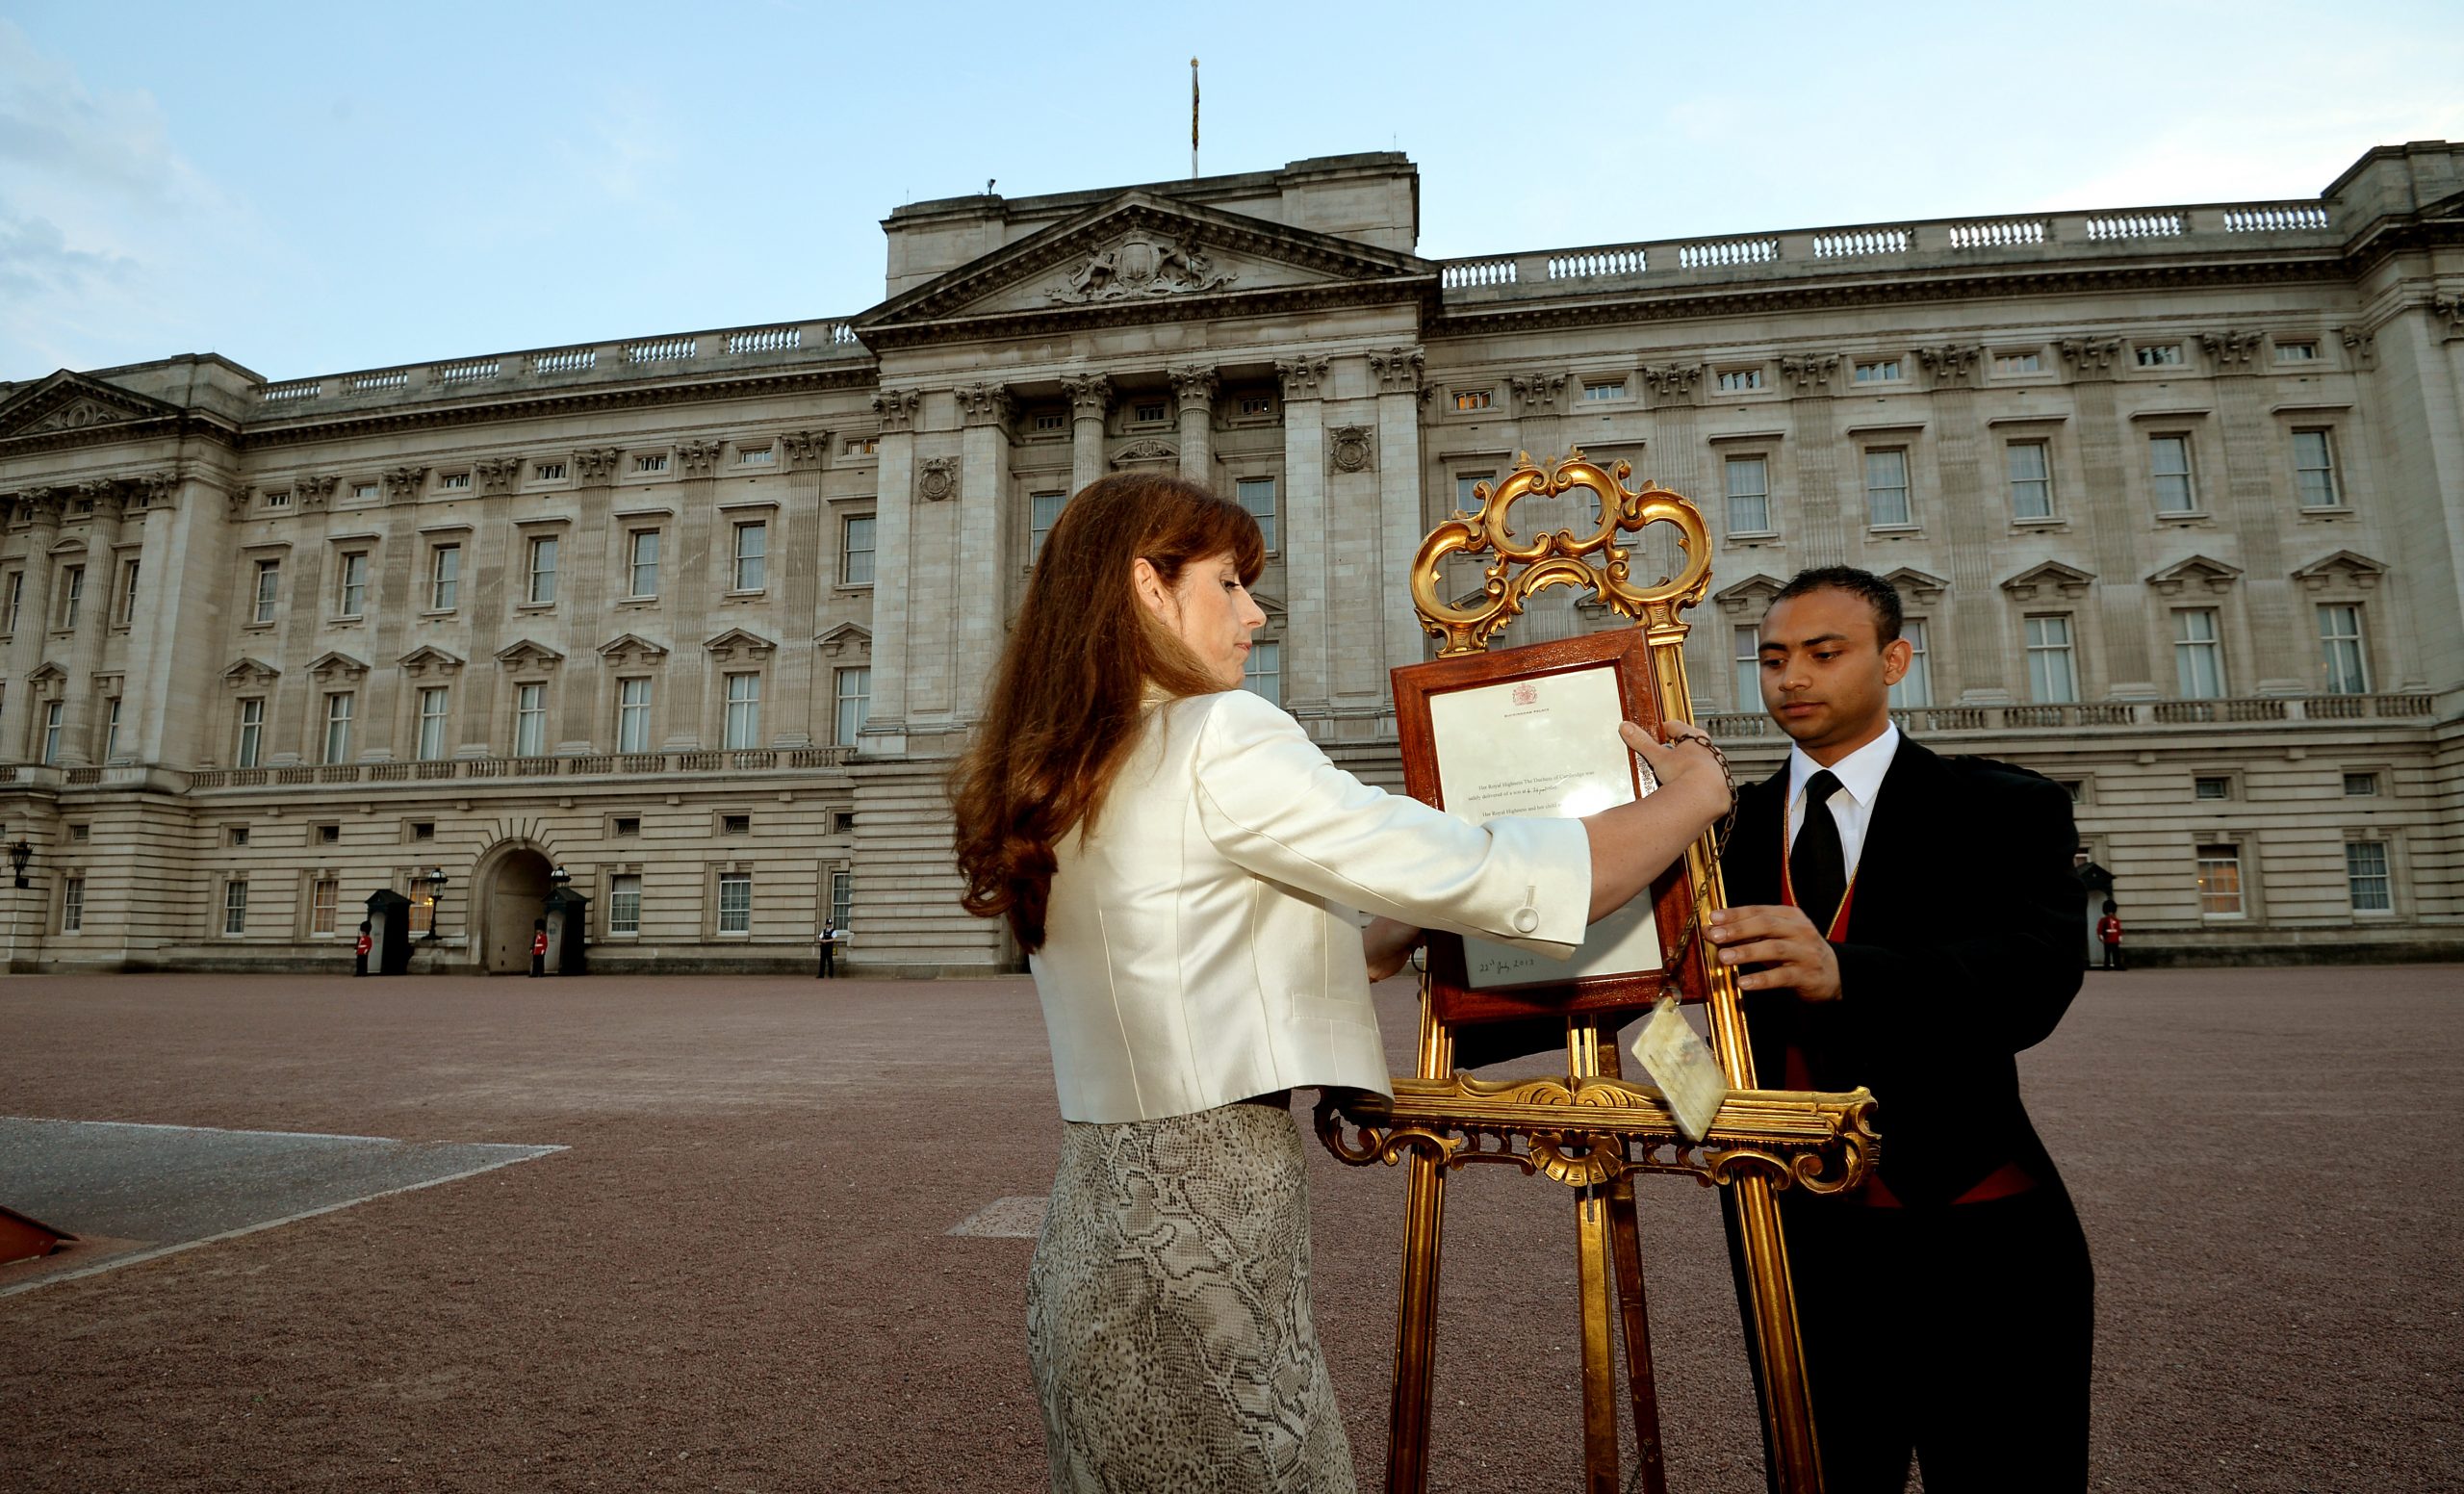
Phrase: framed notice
x=1532 y=731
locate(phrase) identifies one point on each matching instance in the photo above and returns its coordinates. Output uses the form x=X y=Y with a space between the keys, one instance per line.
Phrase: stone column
x=1195 y=385
x=2281 y=644
x=1823 y=526
x=1400 y=519
x=1308 y=671
x=807 y=561
x=885 y=728
x=77 y=746
x=142 y=694
x=1090 y=400
x=585 y=722
x=1978 y=634
x=23 y=737
x=1675 y=461
x=982 y=497
x=2112 y=525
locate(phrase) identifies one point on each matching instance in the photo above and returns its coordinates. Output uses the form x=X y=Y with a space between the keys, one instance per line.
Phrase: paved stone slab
x=145 y=1191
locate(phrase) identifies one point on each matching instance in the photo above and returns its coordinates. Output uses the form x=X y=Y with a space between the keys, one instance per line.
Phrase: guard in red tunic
x=359 y=951
x=2109 y=934
x=538 y=948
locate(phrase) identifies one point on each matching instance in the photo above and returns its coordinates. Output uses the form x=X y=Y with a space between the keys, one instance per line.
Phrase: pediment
x=524 y=653
x=2202 y=572
x=333 y=661
x=249 y=671
x=2345 y=568
x=69 y=401
x=1917 y=585
x=2048 y=579
x=1753 y=594
x=627 y=648
x=838 y=640
x=55 y=672
x=427 y=656
x=741 y=643
x=1142 y=253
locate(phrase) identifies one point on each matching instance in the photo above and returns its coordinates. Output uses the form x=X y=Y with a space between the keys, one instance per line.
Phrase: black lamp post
x=18 y=854
x=560 y=877
x=435 y=880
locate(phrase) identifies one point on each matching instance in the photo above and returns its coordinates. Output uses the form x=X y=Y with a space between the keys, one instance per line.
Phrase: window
x=111 y=730
x=2075 y=788
x=752 y=548
x=2366 y=877
x=2198 y=653
x=863 y=445
x=338 y=710
x=1749 y=495
x=269 y=587
x=2305 y=352
x=2361 y=786
x=422 y=830
x=642 y=563
x=756 y=456
x=2031 y=479
x=1739 y=381
x=1606 y=389
x=1051 y=420
x=2018 y=363
x=72 y=904
x=453 y=481
x=855 y=551
x=1748 y=667
x=2217 y=787
x=1917 y=686
x=235 y=907
x=1882 y=370
x=542 y=589
x=744 y=710
x=1257 y=404
x=432 y=706
x=2158 y=355
x=2343 y=663
x=1886 y=505
x=1257 y=495
x=625 y=903
x=128 y=593
x=323 y=894
x=1471 y=398
x=1465 y=484
x=736 y=902
x=445 y=578
x=735 y=824
x=2314 y=470
x=626 y=825
x=2219 y=881
x=842 y=897
x=842 y=822
x=2051 y=679
x=634 y=715
x=329 y=835
x=421 y=919
x=72 y=593
x=236 y=834
x=363 y=492
x=252 y=733
x=1262 y=672
x=654 y=463
x=17 y=599
x=2168 y=468
x=1146 y=412
x=1043 y=512
x=80 y=834
x=51 y=715
x=854 y=692
x=547 y=472
x=529 y=720
x=351 y=598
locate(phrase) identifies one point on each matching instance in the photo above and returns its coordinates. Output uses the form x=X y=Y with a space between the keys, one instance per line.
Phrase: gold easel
x=1591 y=1130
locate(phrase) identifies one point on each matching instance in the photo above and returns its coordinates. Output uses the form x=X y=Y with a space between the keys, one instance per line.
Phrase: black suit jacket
x=1963 y=947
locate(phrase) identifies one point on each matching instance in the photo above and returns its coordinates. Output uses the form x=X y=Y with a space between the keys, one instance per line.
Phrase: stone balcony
x=2096 y=718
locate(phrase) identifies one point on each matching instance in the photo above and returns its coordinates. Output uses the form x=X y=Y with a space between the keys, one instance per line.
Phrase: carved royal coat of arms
x=1138 y=266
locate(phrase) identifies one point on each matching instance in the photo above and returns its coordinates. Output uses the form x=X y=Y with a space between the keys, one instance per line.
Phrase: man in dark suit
x=1909 y=922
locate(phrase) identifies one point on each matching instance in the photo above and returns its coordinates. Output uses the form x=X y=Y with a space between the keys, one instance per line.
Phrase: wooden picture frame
x=1533 y=693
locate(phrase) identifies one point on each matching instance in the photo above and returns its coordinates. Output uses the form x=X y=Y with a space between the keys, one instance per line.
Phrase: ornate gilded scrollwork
x=1557 y=557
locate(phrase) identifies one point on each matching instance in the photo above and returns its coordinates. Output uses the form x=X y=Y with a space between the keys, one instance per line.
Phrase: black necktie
x=1817 y=870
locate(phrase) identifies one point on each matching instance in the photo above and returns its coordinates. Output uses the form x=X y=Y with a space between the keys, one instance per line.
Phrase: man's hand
x=1784 y=941
x=1388 y=945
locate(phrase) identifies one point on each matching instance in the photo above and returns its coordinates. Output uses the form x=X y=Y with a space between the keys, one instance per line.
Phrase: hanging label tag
x=1680 y=1061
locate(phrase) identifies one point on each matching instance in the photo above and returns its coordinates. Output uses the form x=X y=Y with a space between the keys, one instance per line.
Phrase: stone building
x=2174 y=494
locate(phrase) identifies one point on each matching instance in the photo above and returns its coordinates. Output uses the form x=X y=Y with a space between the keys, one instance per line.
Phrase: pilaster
x=77 y=745
x=983 y=483
x=1978 y=630
x=1400 y=520
x=885 y=727
x=1308 y=670
x=1195 y=385
x=1823 y=522
x=23 y=741
x=2283 y=648
x=2112 y=525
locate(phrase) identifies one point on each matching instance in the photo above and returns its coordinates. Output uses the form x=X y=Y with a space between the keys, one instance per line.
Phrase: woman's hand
x=1686 y=765
x=1388 y=946
x=1635 y=843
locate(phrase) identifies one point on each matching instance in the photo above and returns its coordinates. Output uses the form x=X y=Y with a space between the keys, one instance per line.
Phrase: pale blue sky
x=311 y=189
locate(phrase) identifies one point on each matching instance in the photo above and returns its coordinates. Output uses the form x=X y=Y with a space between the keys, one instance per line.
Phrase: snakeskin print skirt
x=1168 y=1312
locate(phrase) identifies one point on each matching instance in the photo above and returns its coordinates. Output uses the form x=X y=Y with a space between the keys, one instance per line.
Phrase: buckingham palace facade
x=694 y=624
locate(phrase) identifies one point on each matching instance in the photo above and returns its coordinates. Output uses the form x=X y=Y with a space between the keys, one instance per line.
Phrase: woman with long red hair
x=1184 y=866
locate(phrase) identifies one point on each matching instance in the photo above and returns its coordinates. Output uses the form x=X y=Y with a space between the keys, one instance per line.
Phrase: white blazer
x=1200 y=946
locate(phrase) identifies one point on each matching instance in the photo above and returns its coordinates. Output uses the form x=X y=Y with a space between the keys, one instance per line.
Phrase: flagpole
x=1193 y=118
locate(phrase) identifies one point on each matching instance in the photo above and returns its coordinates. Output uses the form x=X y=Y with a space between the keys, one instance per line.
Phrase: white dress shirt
x=1861 y=776
x=1200 y=945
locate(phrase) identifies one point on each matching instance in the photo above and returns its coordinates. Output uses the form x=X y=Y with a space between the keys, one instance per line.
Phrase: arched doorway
x=509 y=894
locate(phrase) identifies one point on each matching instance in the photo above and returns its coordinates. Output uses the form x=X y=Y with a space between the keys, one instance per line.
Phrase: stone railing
x=827 y=341
x=626 y=765
x=1863 y=249
x=2232 y=711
